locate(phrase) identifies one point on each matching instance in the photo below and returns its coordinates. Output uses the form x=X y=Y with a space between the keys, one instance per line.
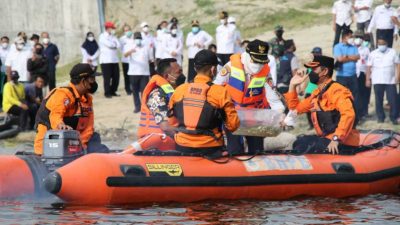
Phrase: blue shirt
x=51 y=52
x=347 y=69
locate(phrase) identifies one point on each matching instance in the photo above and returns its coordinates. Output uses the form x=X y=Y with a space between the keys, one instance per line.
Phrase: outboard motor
x=61 y=147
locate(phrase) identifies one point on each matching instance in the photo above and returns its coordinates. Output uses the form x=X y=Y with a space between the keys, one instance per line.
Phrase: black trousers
x=314 y=143
x=236 y=143
x=364 y=94
x=386 y=34
x=191 y=71
x=364 y=27
x=111 y=78
x=138 y=83
x=224 y=58
x=310 y=123
x=338 y=32
x=125 y=68
x=22 y=115
x=52 y=79
x=391 y=95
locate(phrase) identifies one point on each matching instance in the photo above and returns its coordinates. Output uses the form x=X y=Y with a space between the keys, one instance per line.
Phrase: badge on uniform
x=224 y=71
x=66 y=101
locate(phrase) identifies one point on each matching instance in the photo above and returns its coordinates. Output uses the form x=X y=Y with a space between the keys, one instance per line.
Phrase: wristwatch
x=335 y=138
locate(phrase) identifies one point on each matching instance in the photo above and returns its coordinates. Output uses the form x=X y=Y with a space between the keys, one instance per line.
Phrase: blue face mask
x=195 y=30
x=129 y=34
x=138 y=42
x=382 y=48
x=365 y=43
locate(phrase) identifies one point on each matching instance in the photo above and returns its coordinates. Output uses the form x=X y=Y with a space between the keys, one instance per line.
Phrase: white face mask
x=4 y=45
x=145 y=29
x=382 y=48
x=31 y=43
x=174 y=31
x=20 y=46
x=46 y=41
x=357 y=41
x=222 y=21
x=249 y=66
x=350 y=41
x=90 y=39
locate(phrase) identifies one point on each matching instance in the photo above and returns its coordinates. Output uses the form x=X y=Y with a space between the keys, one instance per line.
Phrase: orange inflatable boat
x=147 y=176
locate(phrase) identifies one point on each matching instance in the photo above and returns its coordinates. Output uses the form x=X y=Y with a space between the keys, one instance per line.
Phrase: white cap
x=144 y=24
x=231 y=19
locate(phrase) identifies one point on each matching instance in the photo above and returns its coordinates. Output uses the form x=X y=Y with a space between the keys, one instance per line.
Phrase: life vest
x=325 y=122
x=247 y=94
x=77 y=121
x=147 y=124
x=196 y=115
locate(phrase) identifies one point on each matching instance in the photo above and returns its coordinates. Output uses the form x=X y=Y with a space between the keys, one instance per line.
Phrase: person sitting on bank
x=201 y=109
x=331 y=106
x=71 y=108
x=14 y=100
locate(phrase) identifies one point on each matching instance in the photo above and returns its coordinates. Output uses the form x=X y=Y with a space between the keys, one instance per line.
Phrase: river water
x=374 y=209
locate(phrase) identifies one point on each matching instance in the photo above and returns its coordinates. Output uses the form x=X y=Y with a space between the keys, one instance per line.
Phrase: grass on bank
x=62 y=72
x=317 y=4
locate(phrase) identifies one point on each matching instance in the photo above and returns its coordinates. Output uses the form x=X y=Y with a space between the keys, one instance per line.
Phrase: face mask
x=255 y=68
x=165 y=30
x=365 y=43
x=350 y=41
x=357 y=41
x=279 y=34
x=39 y=51
x=4 y=45
x=145 y=29
x=387 y=5
x=313 y=76
x=222 y=21
x=93 y=87
x=180 y=80
x=90 y=39
x=113 y=31
x=20 y=46
x=32 y=43
x=382 y=48
x=46 y=41
x=174 y=31
x=138 y=42
x=128 y=34
x=195 y=30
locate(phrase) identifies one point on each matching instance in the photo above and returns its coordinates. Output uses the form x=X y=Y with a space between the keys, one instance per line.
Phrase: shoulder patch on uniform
x=225 y=70
x=66 y=101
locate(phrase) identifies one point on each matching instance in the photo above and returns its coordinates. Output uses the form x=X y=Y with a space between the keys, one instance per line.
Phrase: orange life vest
x=247 y=94
x=147 y=124
x=196 y=115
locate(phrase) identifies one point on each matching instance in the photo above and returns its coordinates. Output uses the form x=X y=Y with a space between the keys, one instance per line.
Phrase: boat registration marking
x=174 y=170
x=280 y=162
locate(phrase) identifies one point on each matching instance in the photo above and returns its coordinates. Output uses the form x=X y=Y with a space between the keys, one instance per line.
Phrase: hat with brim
x=321 y=60
x=258 y=51
x=82 y=70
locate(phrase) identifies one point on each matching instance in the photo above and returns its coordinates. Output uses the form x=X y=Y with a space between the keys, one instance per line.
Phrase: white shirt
x=173 y=44
x=383 y=66
x=225 y=37
x=361 y=65
x=3 y=55
x=342 y=9
x=365 y=14
x=149 y=41
x=86 y=57
x=161 y=38
x=18 y=61
x=109 y=46
x=123 y=41
x=139 y=60
x=238 y=37
x=201 y=38
x=382 y=18
x=273 y=68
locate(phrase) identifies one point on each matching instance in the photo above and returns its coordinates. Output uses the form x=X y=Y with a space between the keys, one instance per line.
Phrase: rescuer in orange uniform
x=201 y=109
x=245 y=78
x=71 y=108
x=155 y=132
x=331 y=107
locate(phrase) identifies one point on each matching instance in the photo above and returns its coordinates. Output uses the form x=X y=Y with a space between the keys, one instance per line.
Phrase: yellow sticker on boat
x=174 y=170
x=278 y=162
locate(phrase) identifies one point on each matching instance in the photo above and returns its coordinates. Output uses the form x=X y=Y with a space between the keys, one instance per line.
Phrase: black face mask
x=314 y=77
x=39 y=51
x=93 y=87
x=279 y=34
x=180 y=80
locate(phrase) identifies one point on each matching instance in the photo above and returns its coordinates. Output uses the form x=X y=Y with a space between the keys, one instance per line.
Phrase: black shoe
x=128 y=93
x=108 y=96
x=115 y=95
x=136 y=110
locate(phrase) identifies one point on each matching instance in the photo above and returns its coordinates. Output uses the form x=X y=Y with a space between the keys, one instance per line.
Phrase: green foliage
x=317 y=4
